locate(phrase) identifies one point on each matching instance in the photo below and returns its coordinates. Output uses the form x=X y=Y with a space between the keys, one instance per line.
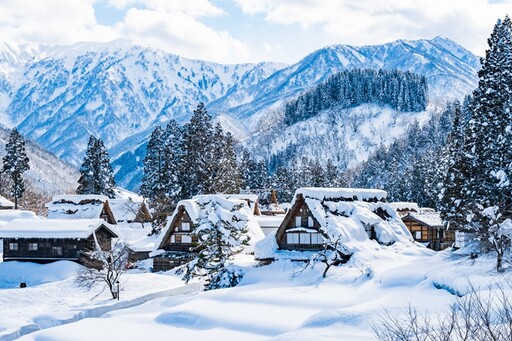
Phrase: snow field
x=276 y=302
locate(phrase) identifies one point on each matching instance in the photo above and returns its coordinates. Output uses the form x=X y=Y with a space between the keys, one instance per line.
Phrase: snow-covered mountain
x=450 y=69
x=59 y=95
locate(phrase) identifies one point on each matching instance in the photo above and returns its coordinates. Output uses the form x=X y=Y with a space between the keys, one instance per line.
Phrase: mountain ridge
x=120 y=91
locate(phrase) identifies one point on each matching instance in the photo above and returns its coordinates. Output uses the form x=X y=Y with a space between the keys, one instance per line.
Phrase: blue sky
x=233 y=31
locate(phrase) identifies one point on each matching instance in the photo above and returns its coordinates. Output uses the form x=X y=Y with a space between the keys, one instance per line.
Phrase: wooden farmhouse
x=426 y=227
x=356 y=219
x=178 y=240
x=92 y=206
x=47 y=240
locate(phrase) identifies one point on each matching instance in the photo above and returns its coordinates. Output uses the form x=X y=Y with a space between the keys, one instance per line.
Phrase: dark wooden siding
x=47 y=249
x=166 y=264
x=438 y=238
x=299 y=216
x=178 y=232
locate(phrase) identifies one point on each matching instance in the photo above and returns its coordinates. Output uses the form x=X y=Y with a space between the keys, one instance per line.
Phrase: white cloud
x=173 y=30
x=168 y=25
x=376 y=21
x=50 y=21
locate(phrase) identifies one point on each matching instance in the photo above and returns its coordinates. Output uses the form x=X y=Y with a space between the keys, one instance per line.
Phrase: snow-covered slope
x=47 y=174
x=59 y=95
x=113 y=90
x=450 y=69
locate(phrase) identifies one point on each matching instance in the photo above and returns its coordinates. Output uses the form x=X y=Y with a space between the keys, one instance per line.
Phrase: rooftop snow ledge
x=347 y=194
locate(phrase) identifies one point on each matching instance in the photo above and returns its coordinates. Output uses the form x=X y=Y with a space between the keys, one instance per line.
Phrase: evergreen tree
x=485 y=199
x=457 y=176
x=284 y=184
x=86 y=182
x=173 y=152
x=15 y=163
x=332 y=178
x=153 y=179
x=197 y=163
x=219 y=239
x=228 y=177
x=96 y=173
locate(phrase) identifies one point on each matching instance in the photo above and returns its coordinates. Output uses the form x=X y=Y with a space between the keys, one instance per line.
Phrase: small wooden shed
x=426 y=227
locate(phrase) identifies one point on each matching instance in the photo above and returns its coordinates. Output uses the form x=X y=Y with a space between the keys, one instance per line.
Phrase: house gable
x=107 y=215
x=179 y=236
x=300 y=229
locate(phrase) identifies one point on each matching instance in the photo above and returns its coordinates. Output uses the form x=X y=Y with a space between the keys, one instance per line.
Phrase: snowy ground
x=272 y=302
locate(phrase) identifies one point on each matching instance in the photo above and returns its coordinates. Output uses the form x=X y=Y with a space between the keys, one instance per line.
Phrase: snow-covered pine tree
x=173 y=151
x=153 y=182
x=96 y=173
x=86 y=181
x=316 y=174
x=284 y=183
x=228 y=178
x=453 y=198
x=15 y=163
x=332 y=178
x=222 y=233
x=196 y=163
x=106 y=182
x=161 y=178
x=488 y=143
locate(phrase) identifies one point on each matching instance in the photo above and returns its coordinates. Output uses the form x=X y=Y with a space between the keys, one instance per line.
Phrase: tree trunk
x=499 y=262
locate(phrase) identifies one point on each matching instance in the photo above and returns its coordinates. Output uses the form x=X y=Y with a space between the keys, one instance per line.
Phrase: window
x=186 y=238
x=13 y=246
x=311 y=223
x=304 y=238
x=417 y=235
x=57 y=250
x=185 y=226
x=298 y=221
x=316 y=238
x=292 y=238
x=32 y=246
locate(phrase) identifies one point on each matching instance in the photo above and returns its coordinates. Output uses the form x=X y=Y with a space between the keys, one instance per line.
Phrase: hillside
x=59 y=95
x=48 y=175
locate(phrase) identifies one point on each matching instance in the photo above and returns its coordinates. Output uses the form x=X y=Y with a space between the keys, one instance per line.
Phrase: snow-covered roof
x=8 y=215
x=427 y=217
x=125 y=194
x=251 y=199
x=270 y=220
x=347 y=194
x=89 y=206
x=125 y=209
x=76 y=206
x=226 y=210
x=53 y=228
x=4 y=202
x=345 y=220
x=78 y=199
x=405 y=206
